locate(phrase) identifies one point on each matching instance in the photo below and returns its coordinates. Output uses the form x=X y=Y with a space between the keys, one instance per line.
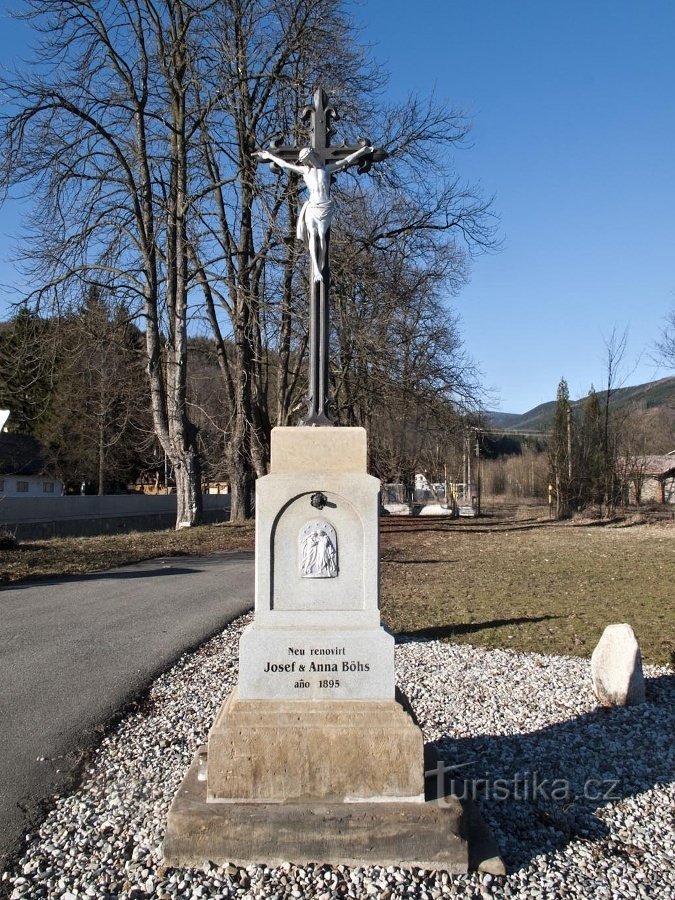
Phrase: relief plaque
x=317 y=550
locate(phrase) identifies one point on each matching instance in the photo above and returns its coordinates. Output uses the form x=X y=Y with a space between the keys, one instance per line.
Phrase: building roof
x=658 y=466
x=22 y=454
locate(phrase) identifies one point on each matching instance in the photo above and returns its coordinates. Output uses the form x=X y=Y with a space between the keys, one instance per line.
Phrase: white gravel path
x=495 y=713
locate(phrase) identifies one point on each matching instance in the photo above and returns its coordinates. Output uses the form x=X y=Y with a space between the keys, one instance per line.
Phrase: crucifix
x=317 y=164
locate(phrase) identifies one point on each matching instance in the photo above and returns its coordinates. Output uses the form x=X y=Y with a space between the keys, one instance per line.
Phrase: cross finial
x=320 y=114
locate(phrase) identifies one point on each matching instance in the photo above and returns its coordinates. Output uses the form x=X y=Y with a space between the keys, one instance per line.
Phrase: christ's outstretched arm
x=348 y=160
x=266 y=155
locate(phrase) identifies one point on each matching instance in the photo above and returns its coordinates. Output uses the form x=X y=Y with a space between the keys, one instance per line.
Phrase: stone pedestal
x=317 y=632
x=430 y=835
x=314 y=758
x=293 y=751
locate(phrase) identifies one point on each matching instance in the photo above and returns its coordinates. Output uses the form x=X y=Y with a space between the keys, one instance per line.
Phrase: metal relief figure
x=318 y=550
x=326 y=559
x=317 y=211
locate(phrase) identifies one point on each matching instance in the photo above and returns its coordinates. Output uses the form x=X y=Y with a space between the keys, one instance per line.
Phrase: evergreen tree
x=98 y=417
x=77 y=383
x=591 y=482
x=28 y=359
x=560 y=451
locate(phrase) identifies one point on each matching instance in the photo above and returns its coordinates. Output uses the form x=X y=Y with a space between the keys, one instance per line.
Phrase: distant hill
x=656 y=395
x=502 y=419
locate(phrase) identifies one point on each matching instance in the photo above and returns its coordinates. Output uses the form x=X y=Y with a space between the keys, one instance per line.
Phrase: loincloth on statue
x=314 y=216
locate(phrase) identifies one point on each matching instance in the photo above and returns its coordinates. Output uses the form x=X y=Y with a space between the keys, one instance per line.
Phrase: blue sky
x=573 y=109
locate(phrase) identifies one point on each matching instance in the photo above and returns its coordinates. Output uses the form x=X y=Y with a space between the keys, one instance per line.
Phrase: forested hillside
x=658 y=397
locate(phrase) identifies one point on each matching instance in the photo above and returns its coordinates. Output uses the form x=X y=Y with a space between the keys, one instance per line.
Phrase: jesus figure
x=317 y=211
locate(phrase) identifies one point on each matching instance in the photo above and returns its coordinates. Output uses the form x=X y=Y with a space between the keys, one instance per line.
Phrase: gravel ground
x=580 y=799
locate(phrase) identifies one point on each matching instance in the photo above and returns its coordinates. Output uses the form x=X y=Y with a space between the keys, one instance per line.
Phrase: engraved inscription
x=317 y=550
x=303 y=670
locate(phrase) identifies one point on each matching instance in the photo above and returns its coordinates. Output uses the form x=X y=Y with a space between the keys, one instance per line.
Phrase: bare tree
x=665 y=348
x=136 y=135
x=399 y=366
x=102 y=138
x=268 y=56
x=521 y=475
x=615 y=347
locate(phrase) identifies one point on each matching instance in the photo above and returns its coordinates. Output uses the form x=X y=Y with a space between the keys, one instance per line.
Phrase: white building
x=24 y=470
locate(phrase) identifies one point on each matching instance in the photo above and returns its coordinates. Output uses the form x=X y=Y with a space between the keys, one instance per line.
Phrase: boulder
x=616 y=668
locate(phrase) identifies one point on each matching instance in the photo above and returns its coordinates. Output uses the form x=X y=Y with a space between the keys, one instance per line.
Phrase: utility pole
x=569 y=446
x=464 y=477
x=478 y=479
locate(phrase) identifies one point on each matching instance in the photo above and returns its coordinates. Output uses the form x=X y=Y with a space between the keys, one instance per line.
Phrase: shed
x=651 y=478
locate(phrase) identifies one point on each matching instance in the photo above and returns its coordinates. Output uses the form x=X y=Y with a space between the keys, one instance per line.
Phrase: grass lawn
x=76 y=556
x=534 y=586
x=526 y=584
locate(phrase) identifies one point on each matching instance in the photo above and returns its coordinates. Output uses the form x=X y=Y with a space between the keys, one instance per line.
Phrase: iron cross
x=317 y=163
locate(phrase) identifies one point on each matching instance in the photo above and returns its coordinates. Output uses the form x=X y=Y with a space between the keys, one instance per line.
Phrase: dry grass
x=76 y=556
x=530 y=585
x=514 y=580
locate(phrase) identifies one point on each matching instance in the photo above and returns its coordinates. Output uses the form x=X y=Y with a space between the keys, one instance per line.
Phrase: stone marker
x=314 y=757
x=616 y=668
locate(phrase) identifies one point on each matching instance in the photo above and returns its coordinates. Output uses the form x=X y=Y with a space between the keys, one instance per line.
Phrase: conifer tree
x=28 y=360
x=560 y=455
x=591 y=460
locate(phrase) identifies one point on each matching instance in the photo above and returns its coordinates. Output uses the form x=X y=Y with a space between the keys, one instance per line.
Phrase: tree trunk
x=558 y=506
x=101 y=459
x=182 y=433
x=241 y=482
x=240 y=460
x=189 y=502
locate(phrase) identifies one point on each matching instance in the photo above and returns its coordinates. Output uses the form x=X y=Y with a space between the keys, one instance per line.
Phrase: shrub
x=8 y=539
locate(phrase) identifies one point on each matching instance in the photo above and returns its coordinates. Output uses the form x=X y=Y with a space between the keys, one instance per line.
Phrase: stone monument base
x=327 y=751
x=315 y=757
x=440 y=833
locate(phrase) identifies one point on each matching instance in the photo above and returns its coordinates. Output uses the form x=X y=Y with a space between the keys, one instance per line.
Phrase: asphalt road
x=74 y=651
